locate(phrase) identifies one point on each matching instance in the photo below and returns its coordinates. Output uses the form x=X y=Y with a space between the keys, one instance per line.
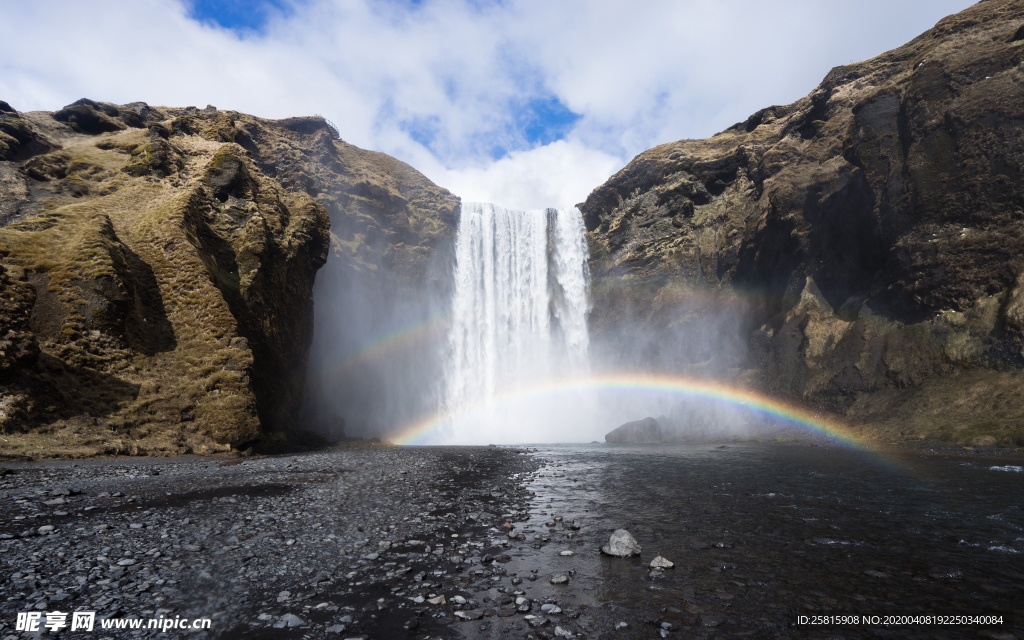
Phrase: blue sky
x=240 y=15
x=526 y=103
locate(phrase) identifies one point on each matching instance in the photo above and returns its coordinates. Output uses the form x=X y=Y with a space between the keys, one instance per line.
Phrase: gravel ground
x=379 y=542
x=389 y=543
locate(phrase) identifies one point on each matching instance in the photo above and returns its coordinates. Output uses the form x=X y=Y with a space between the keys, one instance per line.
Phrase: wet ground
x=768 y=541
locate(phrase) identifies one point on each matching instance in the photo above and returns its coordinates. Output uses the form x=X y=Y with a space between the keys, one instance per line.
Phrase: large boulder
x=638 y=431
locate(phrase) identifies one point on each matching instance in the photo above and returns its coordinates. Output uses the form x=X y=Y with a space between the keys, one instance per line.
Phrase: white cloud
x=560 y=175
x=452 y=72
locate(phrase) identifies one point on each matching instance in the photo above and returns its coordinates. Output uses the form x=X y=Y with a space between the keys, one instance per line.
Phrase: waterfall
x=519 y=318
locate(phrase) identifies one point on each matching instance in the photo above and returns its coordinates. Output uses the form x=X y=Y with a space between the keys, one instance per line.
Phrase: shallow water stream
x=765 y=537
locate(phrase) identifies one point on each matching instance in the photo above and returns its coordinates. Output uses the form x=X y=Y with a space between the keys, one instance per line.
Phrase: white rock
x=566 y=553
x=662 y=563
x=437 y=600
x=292 y=620
x=621 y=544
x=458 y=600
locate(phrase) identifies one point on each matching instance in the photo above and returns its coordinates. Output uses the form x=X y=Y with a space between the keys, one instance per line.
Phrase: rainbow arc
x=425 y=431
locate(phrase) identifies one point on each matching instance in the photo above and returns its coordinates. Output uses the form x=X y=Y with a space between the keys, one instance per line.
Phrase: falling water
x=519 y=318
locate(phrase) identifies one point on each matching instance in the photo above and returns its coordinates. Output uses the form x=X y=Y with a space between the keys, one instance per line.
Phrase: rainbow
x=421 y=432
x=389 y=344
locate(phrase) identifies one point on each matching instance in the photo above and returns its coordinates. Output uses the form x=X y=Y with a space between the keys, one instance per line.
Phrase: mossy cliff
x=156 y=272
x=860 y=250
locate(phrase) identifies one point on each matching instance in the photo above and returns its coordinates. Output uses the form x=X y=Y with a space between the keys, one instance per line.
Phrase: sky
x=523 y=103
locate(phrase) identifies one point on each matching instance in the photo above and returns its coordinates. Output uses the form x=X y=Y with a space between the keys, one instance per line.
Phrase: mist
x=499 y=342
x=376 y=361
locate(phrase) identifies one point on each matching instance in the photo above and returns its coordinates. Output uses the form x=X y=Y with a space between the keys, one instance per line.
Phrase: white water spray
x=519 y=319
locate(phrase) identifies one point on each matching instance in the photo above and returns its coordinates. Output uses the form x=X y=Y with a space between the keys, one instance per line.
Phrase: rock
x=566 y=553
x=289 y=620
x=458 y=600
x=559 y=579
x=54 y=502
x=469 y=614
x=536 y=621
x=662 y=563
x=563 y=633
x=337 y=628
x=46 y=528
x=437 y=600
x=126 y=562
x=621 y=544
x=550 y=608
x=639 y=431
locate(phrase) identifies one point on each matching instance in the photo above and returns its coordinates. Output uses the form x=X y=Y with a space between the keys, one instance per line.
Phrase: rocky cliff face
x=861 y=249
x=158 y=266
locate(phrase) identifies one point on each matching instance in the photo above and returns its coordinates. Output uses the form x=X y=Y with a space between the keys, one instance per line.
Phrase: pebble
x=560 y=579
x=662 y=563
x=566 y=553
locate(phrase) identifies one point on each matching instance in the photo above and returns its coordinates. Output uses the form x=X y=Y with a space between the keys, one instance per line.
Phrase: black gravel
x=339 y=544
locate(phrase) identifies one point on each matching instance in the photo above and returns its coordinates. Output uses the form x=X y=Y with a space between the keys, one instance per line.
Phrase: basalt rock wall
x=860 y=250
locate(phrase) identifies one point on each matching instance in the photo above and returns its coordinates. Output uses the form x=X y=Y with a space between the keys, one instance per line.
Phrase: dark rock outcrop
x=646 y=430
x=157 y=267
x=860 y=250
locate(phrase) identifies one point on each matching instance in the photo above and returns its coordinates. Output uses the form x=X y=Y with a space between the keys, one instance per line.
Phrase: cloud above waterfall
x=528 y=103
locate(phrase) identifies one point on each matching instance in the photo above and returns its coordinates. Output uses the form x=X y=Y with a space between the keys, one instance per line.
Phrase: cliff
x=860 y=250
x=157 y=267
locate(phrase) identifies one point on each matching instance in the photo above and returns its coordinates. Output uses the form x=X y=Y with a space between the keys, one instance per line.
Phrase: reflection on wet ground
x=762 y=534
